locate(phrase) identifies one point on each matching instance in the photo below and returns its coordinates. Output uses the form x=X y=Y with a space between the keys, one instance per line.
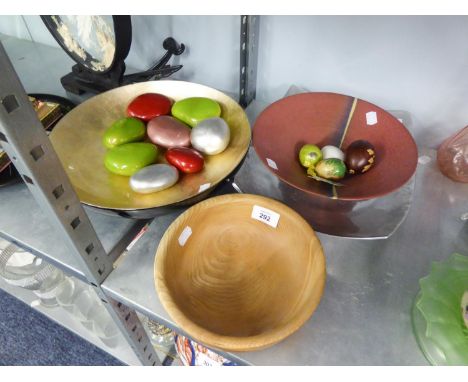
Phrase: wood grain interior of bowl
x=236 y=283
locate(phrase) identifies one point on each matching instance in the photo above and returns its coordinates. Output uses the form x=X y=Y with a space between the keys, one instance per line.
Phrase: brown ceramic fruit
x=236 y=283
x=334 y=119
x=360 y=157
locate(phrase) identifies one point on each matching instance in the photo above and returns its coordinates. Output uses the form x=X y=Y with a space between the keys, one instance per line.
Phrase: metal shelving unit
x=25 y=224
x=371 y=283
x=27 y=144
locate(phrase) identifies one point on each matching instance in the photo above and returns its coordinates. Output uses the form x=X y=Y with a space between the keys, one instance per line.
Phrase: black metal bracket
x=160 y=69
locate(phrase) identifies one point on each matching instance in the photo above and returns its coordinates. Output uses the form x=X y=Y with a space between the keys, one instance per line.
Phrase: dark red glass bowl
x=334 y=119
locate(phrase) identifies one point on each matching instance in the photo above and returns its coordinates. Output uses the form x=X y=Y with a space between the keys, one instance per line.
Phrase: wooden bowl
x=77 y=139
x=236 y=283
x=334 y=119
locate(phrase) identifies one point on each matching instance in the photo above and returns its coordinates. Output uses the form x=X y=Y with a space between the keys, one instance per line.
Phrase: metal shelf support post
x=249 y=35
x=23 y=138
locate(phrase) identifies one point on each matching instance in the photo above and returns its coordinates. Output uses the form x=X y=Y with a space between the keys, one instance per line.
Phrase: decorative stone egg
x=331 y=168
x=124 y=130
x=211 y=136
x=195 y=109
x=332 y=152
x=128 y=158
x=148 y=106
x=167 y=131
x=185 y=159
x=310 y=155
x=156 y=177
x=360 y=157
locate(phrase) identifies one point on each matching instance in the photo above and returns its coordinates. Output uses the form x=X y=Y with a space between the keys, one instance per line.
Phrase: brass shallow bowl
x=77 y=139
x=236 y=283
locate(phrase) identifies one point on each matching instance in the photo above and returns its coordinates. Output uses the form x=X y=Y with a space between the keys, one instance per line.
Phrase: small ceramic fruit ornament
x=211 y=136
x=310 y=155
x=360 y=157
x=195 y=109
x=330 y=152
x=156 y=177
x=333 y=169
x=186 y=160
x=148 y=106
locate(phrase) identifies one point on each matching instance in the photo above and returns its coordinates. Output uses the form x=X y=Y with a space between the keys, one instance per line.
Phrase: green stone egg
x=331 y=168
x=125 y=130
x=195 y=109
x=128 y=158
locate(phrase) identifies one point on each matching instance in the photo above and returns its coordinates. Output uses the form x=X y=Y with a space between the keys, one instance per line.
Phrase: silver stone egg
x=211 y=136
x=156 y=177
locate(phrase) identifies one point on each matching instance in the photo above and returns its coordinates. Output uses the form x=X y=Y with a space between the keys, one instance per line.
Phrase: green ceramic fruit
x=312 y=174
x=331 y=168
x=438 y=316
x=309 y=155
x=125 y=130
x=128 y=158
x=195 y=109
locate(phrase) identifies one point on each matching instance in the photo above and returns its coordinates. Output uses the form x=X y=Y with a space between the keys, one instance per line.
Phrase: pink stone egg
x=166 y=131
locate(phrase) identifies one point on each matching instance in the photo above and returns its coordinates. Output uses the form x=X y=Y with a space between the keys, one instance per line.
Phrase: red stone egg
x=148 y=106
x=185 y=159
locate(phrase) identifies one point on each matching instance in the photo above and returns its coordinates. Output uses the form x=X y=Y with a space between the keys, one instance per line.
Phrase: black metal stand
x=81 y=80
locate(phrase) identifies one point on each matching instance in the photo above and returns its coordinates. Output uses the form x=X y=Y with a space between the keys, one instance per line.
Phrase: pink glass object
x=452 y=156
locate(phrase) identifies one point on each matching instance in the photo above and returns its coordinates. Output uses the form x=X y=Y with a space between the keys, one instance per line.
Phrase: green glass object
x=438 y=315
x=464 y=306
x=331 y=168
x=309 y=155
x=128 y=158
x=125 y=130
x=195 y=109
